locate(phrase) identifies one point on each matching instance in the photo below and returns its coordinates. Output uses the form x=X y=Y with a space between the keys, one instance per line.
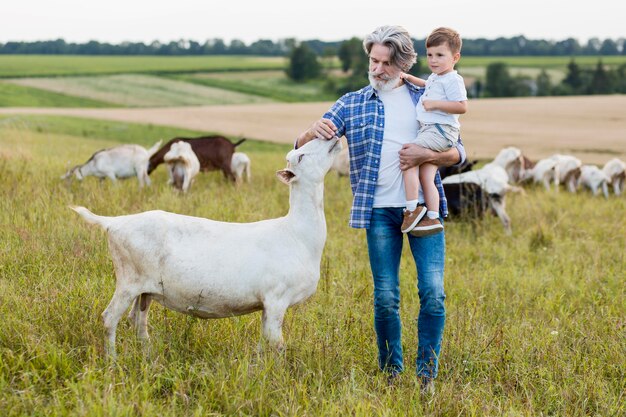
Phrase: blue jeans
x=384 y=241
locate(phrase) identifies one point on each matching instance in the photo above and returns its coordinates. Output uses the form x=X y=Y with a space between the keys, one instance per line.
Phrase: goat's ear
x=285 y=175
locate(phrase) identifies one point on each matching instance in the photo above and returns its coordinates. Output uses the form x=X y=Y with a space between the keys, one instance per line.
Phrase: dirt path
x=591 y=127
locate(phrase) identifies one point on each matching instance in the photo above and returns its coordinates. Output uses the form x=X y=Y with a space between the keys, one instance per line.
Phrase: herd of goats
x=469 y=191
x=193 y=265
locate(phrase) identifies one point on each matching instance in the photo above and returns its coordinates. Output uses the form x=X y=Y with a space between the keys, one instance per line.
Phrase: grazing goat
x=240 y=165
x=122 y=161
x=493 y=182
x=567 y=170
x=213 y=152
x=512 y=161
x=543 y=171
x=593 y=178
x=212 y=269
x=615 y=170
x=183 y=165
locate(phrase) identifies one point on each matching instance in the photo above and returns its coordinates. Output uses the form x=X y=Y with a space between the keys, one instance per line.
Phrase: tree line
x=514 y=46
x=304 y=65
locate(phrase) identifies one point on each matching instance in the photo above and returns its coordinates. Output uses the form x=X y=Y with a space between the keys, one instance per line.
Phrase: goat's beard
x=386 y=84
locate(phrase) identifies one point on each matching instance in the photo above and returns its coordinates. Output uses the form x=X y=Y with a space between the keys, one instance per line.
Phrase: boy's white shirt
x=447 y=87
x=400 y=128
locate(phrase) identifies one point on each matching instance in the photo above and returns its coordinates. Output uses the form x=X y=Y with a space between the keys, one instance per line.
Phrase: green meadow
x=535 y=321
x=152 y=81
x=12 y=66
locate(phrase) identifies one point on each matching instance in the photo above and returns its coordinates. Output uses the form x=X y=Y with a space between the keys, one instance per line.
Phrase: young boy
x=438 y=112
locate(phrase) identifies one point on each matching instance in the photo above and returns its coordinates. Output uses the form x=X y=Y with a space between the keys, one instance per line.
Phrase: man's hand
x=412 y=155
x=322 y=128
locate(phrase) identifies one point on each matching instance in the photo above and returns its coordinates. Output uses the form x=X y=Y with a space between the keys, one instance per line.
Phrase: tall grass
x=535 y=326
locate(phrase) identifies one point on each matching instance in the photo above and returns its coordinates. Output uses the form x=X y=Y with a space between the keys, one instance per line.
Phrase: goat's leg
x=605 y=189
x=186 y=182
x=273 y=323
x=138 y=315
x=617 y=186
x=499 y=208
x=141 y=323
x=111 y=316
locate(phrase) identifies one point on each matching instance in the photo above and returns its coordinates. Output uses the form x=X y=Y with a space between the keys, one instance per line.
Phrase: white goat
x=212 y=269
x=615 y=170
x=240 y=164
x=122 y=161
x=183 y=165
x=593 y=178
x=567 y=170
x=544 y=171
x=512 y=161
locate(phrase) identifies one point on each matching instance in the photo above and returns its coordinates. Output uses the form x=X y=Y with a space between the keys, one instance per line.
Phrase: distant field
x=559 y=62
x=12 y=95
x=137 y=90
x=54 y=65
x=271 y=84
x=589 y=127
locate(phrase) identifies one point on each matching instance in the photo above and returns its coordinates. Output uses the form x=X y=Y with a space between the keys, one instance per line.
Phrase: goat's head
x=311 y=162
x=75 y=170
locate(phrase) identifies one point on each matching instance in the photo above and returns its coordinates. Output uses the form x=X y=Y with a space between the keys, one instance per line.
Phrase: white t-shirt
x=400 y=128
x=447 y=87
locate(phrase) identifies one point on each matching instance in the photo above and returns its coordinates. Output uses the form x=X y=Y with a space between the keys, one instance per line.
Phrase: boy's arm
x=450 y=107
x=413 y=79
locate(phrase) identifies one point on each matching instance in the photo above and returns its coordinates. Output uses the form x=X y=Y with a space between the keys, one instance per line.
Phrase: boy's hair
x=442 y=35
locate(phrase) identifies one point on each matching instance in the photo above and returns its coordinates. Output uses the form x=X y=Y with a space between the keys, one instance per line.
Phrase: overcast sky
x=116 y=21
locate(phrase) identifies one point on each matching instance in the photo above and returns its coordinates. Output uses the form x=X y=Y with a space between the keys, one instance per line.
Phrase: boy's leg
x=431 y=195
x=411 y=183
x=429 y=224
x=412 y=213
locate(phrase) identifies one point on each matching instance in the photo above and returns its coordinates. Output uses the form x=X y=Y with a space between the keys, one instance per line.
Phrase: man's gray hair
x=399 y=42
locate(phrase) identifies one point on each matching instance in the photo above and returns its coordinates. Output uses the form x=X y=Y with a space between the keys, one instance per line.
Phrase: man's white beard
x=383 y=85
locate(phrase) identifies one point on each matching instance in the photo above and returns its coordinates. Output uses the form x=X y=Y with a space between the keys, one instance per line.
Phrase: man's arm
x=412 y=155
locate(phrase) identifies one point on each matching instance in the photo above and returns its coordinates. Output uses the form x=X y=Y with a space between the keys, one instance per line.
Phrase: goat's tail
x=154 y=149
x=242 y=140
x=90 y=217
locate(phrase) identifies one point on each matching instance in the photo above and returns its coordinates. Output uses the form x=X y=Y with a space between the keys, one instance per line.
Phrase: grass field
x=12 y=95
x=149 y=81
x=137 y=90
x=12 y=66
x=535 y=321
x=271 y=84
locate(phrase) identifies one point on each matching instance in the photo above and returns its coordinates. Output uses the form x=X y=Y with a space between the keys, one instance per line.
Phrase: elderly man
x=378 y=122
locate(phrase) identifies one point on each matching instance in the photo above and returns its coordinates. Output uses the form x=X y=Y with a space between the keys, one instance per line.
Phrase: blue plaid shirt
x=360 y=117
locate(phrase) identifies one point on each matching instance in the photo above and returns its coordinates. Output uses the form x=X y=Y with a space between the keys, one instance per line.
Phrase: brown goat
x=213 y=152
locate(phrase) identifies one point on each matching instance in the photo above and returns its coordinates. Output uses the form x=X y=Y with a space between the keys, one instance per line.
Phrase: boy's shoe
x=427 y=227
x=411 y=218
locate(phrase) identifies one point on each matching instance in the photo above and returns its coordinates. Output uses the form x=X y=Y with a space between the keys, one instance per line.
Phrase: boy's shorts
x=437 y=137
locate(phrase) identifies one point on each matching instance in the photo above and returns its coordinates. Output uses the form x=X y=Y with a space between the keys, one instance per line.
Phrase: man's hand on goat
x=323 y=128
